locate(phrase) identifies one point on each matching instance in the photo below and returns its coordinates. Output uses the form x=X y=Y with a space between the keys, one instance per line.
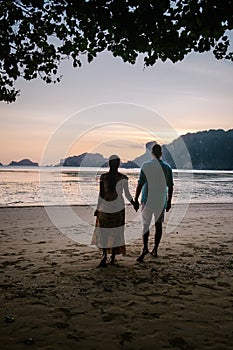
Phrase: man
x=156 y=183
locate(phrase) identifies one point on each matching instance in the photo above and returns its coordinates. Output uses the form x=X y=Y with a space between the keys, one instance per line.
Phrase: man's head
x=156 y=150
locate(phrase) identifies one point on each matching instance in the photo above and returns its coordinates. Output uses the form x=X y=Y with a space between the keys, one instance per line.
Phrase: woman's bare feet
x=103 y=262
x=112 y=260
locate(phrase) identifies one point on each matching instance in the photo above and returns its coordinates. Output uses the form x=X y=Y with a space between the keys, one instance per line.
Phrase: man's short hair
x=156 y=150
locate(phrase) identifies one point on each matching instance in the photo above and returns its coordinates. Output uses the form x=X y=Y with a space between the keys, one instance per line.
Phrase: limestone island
x=23 y=162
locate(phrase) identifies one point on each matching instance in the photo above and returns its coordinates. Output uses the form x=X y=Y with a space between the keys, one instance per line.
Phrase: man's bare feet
x=141 y=257
x=154 y=252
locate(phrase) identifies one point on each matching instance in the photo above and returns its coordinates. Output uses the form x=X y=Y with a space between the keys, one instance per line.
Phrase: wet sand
x=53 y=295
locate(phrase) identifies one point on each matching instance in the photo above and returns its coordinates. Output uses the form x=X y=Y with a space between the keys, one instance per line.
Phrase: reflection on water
x=22 y=186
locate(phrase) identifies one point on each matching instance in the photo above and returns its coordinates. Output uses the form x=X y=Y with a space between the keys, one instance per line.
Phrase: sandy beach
x=53 y=295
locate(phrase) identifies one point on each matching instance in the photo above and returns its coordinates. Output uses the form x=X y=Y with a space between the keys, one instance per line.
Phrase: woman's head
x=114 y=162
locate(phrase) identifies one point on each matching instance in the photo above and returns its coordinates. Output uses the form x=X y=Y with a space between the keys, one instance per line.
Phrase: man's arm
x=169 y=200
x=138 y=191
x=141 y=182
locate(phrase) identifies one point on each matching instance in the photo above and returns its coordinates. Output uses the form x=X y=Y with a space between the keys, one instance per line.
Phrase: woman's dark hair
x=114 y=162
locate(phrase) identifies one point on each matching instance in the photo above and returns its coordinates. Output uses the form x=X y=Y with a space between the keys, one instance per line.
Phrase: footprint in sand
x=125 y=337
x=180 y=343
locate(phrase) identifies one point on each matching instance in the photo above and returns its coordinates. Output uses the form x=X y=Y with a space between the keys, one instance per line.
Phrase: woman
x=110 y=212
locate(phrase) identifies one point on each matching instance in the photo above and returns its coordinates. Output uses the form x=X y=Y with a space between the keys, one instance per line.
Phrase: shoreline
x=50 y=285
x=92 y=205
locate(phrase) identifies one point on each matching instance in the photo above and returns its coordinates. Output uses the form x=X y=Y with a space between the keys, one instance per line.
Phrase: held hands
x=135 y=205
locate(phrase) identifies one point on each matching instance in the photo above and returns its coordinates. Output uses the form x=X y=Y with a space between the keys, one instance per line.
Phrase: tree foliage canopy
x=35 y=36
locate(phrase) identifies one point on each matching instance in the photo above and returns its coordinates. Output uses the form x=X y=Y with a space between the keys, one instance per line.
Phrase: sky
x=111 y=107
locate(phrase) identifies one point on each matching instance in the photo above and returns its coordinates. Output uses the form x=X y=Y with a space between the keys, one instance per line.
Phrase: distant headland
x=23 y=162
x=207 y=150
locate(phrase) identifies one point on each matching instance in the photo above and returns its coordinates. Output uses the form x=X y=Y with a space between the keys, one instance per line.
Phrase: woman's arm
x=101 y=196
x=126 y=190
x=128 y=195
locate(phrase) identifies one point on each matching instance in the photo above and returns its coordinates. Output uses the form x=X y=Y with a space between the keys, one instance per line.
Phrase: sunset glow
x=115 y=107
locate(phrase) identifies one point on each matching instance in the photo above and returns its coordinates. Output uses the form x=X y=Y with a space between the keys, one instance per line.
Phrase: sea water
x=46 y=186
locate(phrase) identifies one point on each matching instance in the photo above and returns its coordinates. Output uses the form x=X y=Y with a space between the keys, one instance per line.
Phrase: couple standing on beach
x=156 y=186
